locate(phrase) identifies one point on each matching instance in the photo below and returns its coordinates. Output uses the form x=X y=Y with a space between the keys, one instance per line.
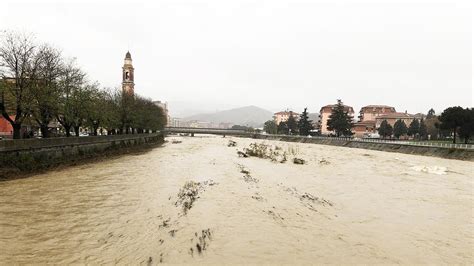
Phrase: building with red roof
x=284 y=116
x=367 y=118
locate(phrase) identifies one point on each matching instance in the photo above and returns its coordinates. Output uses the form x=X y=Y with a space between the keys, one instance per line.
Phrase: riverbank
x=19 y=158
x=441 y=152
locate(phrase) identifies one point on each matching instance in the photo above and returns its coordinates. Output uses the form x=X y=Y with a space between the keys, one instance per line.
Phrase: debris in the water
x=165 y=223
x=198 y=248
x=298 y=161
x=173 y=232
x=188 y=194
x=257 y=197
x=324 y=162
x=247 y=177
x=203 y=243
x=242 y=154
x=265 y=151
x=244 y=170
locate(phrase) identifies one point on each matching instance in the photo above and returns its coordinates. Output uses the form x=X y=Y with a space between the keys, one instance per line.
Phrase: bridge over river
x=213 y=131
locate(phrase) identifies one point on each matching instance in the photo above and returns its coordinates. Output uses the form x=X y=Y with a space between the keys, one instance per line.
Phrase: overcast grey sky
x=274 y=54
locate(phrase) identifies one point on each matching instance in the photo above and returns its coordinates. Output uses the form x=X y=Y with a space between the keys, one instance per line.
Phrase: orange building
x=392 y=118
x=362 y=128
x=284 y=116
x=370 y=112
x=367 y=118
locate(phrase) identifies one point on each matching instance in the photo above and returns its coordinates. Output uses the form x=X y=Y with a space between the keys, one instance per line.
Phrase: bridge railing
x=382 y=141
x=386 y=141
x=206 y=130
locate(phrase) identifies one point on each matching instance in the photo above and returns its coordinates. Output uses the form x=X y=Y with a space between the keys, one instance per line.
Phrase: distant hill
x=250 y=115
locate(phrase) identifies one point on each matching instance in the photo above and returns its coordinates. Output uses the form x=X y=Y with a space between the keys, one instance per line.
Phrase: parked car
x=371 y=136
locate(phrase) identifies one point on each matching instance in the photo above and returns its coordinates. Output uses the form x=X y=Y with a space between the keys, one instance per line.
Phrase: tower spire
x=128 y=85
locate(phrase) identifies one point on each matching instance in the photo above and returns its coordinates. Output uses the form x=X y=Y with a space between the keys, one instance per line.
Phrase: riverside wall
x=442 y=152
x=32 y=154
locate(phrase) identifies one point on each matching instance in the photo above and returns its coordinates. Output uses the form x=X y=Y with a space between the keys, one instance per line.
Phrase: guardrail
x=385 y=141
x=218 y=131
x=27 y=144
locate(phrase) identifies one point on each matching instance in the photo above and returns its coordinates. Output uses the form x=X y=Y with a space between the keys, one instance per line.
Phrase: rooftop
x=334 y=105
x=397 y=115
x=378 y=106
x=286 y=113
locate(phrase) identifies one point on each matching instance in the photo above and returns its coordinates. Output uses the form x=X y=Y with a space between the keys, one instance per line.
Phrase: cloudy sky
x=276 y=54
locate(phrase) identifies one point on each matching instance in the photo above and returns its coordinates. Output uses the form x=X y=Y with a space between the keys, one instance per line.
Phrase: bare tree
x=19 y=65
x=46 y=90
x=71 y=81
x=111 y=109
x=96 y=107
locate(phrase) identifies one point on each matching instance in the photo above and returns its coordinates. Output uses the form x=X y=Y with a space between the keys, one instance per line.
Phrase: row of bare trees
x=39 y=85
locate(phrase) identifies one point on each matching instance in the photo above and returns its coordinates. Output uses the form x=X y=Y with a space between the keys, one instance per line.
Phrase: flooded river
x=342 y=206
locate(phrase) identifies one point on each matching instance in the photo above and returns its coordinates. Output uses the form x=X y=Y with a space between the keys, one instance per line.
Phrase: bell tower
x=128 y=86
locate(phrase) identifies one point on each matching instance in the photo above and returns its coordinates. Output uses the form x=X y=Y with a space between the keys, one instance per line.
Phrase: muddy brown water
x=342 y=206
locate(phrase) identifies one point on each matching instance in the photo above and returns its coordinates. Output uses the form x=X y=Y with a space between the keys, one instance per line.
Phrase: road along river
x=198 y=201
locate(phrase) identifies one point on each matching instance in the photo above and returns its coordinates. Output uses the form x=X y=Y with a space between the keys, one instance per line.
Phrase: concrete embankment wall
x=448 y=153
x=32 y=154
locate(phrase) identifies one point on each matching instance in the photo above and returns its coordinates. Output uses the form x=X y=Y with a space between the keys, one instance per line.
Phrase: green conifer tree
x=423 y=130
x=305 y=125
x=385 y=130
x=399 y=129
x=414 y=128
x=340 y=121
x=292 y=124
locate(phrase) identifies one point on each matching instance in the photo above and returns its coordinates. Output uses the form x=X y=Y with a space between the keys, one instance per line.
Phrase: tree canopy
x=283 y=128
x=423 y=131
x=414 y=128
x=270 y=127
x=399 y=129
x=385 y=130
x=340 y=121
x=452 y=119
x=466 y=131
x=40 y=85
x=292 y=124
x=305 y=125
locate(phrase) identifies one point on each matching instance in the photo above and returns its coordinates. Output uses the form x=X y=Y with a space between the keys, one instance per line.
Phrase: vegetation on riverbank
x=452 y=123
x=39 y=86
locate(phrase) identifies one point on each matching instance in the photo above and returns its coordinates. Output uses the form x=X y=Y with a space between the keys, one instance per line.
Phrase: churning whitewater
x=211 y=200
